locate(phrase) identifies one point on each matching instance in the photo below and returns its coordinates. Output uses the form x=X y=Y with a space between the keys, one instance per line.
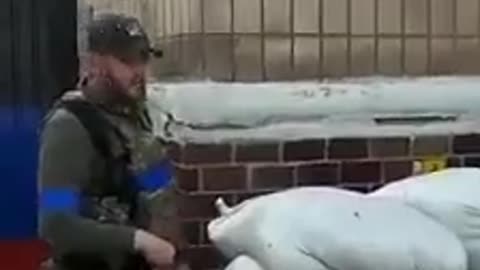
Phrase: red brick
x=318 y=174
x=454 y=162
x=174 y=151
x=466 y=144
x=200 y=206
x=225 y=178
x=363 y=172
x=395 y=170
x=272 y=177
x=205 y=240
x=192 y=231
x=472 y=162
x=390 y=147
x=257 y=152
x=347 y=148
x=187 y=178
x=203 y=258
x=206 y=153
x=304 y=150
x=430 y=145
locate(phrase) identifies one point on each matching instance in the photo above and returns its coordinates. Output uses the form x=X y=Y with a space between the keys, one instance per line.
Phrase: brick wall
x=240 y=171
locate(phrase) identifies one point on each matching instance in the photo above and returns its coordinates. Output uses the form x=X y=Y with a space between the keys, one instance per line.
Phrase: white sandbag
x=243 y=263
x=452 y=197
x=315 y=228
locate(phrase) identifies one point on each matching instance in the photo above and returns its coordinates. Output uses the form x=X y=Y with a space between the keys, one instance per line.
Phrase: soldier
x=98 y=158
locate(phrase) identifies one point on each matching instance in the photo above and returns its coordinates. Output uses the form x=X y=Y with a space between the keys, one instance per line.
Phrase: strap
x=96 y=125
x=118 y=180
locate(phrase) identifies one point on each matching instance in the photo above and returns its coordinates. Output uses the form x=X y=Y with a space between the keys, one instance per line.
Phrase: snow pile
x=212 y=111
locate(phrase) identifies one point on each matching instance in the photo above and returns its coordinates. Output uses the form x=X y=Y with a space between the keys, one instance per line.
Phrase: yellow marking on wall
x=430 y=164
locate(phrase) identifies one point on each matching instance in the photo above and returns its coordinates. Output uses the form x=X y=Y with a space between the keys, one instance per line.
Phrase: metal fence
x=253 y=40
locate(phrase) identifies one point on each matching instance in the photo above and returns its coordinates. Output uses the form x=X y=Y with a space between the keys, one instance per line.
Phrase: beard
x=137 y=91
x=108 y=91
x=127 y=93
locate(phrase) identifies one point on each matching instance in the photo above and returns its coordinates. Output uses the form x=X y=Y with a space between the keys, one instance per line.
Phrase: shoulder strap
x=98 y=128
x=95 y=124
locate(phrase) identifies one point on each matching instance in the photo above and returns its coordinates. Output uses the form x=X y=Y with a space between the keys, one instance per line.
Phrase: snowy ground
x=209 y=111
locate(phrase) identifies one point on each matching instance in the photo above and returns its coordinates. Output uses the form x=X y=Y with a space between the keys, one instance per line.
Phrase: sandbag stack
x=320 y=228
x=451 y=197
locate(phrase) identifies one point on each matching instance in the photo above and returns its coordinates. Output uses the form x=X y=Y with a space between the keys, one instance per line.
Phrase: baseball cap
x=120 y=36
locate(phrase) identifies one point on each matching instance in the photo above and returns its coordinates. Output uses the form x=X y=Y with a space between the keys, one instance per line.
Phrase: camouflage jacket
x=82 y=213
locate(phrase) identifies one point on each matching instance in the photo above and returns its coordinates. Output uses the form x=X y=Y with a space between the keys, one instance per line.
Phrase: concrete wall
x=300 y=39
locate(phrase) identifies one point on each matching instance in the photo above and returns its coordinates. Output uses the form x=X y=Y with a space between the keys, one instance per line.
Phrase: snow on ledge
x=370 y=107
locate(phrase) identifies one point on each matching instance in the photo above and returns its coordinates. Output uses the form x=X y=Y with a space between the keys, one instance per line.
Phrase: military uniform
x=80 y=200
x=98 y=166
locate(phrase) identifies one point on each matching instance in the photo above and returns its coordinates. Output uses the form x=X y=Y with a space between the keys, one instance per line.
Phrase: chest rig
x=118 y=181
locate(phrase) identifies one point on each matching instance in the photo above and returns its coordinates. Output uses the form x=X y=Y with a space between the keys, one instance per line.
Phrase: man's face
x=127 y=78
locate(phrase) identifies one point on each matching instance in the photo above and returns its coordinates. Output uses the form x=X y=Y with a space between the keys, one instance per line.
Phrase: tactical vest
x=119 y=183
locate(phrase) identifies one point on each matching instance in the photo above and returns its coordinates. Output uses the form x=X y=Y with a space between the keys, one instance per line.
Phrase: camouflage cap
x=120 y=36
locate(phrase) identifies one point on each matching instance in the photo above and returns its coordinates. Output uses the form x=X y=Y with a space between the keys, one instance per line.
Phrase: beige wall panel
x=277 y=58
x=218 y=52
x=390 y=57
x=277 y=16
x=363 y=17
x=217 y=16
x=363 y=56
x=192 y=55
x=416 y=56
x=306 y=16
x=306 y=57
x=442 y=17
x=195 y=9
x=389 y=18
x=416 y=16
x=248 y=58
x=185 y=11
x=247 y=16
x=467 y=17
x=335 y=16
x=442 y=56
x=335 y=53
x=467 y=56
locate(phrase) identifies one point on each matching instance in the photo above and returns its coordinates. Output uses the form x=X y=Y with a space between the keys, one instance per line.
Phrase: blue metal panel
x=38 y=60
x=18 y=167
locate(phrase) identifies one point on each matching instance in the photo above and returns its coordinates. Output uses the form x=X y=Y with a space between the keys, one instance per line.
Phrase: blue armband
x=59 y=200
x=156 y=177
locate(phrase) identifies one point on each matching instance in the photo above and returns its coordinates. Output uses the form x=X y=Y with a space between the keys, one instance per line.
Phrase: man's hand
x=158 y=252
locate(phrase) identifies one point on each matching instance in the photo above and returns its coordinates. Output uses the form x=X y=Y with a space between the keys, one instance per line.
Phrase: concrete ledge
x=222 y=112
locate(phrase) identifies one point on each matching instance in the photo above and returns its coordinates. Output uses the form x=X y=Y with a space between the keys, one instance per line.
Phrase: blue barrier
x=19 y=143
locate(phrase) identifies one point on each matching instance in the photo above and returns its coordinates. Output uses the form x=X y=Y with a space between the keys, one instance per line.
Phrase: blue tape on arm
x=156 y=177
x=59 y=200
